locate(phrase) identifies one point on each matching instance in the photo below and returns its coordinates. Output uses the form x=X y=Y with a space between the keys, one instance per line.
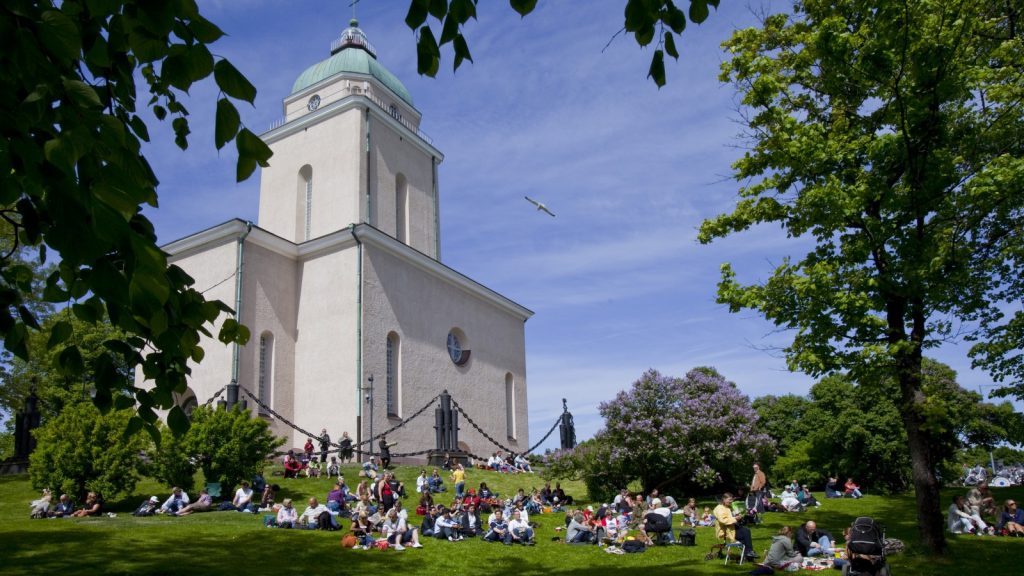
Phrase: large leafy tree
x=675 y=431
x=888 y=136
x=72 y=183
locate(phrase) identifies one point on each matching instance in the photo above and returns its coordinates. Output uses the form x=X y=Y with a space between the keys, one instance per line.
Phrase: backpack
x=866 y=537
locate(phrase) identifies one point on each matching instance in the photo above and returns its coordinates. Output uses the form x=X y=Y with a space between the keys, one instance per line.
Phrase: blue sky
x=618 y=281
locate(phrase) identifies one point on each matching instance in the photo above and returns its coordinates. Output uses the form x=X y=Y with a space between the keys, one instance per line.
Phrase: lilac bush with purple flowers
x=694 y=430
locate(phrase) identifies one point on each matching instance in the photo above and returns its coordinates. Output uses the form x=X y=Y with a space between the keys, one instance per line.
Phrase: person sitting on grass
x=447 y=527
x=397 y=531
x=93 y=506
x=317 y=515
x=851 y=490
x=1011 y=520
x=242 y=498
x=470 y=522
x=579 y=532
x=176 y=501
x=728 y=527
x=362 y=527
x=269 y=497
x=498 y=529
x=781 y=555
x=812 y=541
x=202 y=504
x=65 y=507
x=436 y=483
x=292 y=466
x=962 y=519
x=336 y=499
x=519 y=530
x=980 y=500
x=690 y=513
x=287 y=516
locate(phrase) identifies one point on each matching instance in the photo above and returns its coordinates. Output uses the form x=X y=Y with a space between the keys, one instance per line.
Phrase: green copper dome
x=352 y=53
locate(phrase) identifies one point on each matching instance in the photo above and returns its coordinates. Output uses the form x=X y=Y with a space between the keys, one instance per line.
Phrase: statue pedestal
x=13 y=466
x=436 y=457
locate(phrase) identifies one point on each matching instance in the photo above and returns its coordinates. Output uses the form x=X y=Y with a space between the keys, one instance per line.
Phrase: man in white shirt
x=520 y=530
x=177 y=500
x=309 y=518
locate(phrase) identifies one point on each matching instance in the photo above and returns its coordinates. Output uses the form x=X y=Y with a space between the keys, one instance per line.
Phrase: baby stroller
x=866 y=549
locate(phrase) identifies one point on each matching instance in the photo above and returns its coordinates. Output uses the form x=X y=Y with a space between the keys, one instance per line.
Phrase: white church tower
x=341 y=279
x=349 y=151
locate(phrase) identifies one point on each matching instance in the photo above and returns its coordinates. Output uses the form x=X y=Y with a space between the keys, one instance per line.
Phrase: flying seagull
x=539 y=206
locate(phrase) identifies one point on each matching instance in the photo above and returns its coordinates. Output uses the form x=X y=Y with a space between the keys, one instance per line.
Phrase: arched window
x=401 y=209
x=266 y=370
x=394 y=386
x=510 y=405
x=305 y=203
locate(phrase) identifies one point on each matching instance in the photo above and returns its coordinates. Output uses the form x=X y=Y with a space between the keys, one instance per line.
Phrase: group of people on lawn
x=967 y=513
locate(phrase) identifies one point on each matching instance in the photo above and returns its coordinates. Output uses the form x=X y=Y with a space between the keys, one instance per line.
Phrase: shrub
x=83 y=450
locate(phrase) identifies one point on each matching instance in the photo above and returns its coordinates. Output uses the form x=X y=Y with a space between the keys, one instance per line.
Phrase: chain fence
x=357 y=448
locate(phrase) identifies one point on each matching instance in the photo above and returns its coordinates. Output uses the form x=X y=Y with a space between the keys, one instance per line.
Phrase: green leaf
x=134 y=425
x=449 y=30
x=232 y=82
x=523 y=7
x=417 y=15
x=251 y=151
x=428 y=55
x=28 y=318
x=60 y=35
x=461 y=51
x=438 y=8
x=670 y=45
x=177 y=421
x=698 y=11
x=70 y=362
x=227 y=123
x=59 y=333
x=657 y=70
x=81 y=93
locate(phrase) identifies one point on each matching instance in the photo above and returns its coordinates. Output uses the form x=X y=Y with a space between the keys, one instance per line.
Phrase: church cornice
x=342 y=239
x=350 y=102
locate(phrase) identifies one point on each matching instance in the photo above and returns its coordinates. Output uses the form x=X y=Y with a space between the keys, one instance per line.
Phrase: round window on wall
x=456 y=347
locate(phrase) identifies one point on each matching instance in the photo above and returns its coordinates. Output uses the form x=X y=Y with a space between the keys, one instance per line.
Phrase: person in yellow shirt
x=459 y=477
x=727 y=527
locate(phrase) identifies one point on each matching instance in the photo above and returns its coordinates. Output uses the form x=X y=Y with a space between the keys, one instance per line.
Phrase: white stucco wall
x=333 y=150
x=421 y=308
x=393 y=154
x=325 y=349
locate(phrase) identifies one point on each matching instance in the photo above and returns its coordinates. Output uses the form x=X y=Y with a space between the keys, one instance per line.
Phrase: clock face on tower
x=314 y=102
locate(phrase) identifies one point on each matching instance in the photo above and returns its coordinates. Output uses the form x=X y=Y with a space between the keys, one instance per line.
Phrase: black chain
x=402 y=423
x=481 y=430
x=215 y=396
x=355 y=447
x=541 y=441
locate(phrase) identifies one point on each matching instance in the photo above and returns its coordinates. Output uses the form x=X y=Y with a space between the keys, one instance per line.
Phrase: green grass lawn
x=236 y=543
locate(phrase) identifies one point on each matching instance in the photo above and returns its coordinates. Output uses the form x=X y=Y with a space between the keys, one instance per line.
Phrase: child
x=707 y=518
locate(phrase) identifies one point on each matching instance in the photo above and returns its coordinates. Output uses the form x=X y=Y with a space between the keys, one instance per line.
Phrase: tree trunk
x=930 y=523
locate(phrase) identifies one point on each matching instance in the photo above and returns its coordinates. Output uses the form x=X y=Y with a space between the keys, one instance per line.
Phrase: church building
x=341 y=278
